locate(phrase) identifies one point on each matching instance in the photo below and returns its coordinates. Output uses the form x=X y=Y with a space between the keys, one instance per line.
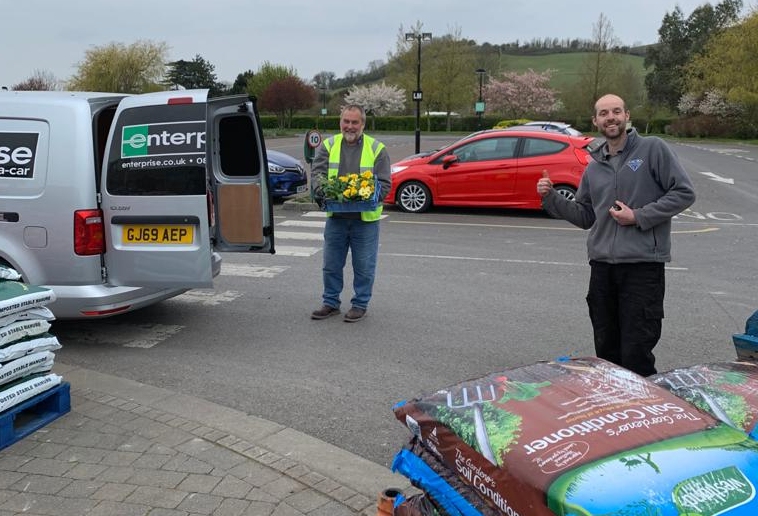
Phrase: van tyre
x=413 y=197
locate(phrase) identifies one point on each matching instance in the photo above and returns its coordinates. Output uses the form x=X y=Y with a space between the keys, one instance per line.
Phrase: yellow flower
x=365 y=192
x=350 y=187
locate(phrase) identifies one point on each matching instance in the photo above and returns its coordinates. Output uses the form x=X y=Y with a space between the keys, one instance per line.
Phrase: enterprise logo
x=164 y=139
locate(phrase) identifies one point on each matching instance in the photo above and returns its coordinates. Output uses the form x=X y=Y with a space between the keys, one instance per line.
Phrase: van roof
x=60 y=94
x=55 y=97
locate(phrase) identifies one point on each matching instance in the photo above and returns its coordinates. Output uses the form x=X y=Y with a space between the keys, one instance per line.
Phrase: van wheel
x=414 y=197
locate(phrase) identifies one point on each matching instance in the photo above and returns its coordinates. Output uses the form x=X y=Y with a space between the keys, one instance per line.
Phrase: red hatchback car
x=491 y=168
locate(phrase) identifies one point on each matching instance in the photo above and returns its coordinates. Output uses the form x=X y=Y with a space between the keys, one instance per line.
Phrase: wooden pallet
x=20 y=420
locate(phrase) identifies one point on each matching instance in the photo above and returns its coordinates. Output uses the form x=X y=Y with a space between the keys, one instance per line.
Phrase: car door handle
x=8 y=216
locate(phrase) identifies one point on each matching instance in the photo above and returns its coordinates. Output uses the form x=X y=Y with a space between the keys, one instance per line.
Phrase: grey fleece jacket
x=648 y=178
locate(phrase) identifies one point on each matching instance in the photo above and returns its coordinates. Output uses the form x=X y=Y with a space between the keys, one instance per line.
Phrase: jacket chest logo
x=634 y=164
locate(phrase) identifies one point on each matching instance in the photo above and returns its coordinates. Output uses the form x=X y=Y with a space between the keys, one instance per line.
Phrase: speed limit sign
x=313 y=137
x=312 y=141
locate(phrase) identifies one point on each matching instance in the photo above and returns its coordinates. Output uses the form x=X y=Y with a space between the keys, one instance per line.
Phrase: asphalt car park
x=460 y=292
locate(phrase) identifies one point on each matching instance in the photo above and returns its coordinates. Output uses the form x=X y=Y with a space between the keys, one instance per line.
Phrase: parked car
x=492 y=168
x=560 y=127
x=286 y=174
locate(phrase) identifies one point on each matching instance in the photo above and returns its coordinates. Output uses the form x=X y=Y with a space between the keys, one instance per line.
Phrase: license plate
x=157 y=234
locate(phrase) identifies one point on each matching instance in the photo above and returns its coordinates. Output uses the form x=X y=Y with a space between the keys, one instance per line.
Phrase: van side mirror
x=449 y=160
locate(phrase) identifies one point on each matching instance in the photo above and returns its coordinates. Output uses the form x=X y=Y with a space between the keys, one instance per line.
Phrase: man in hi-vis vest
x=349 y=152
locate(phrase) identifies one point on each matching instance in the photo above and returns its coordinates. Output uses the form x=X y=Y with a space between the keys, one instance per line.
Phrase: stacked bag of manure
x=26 y=347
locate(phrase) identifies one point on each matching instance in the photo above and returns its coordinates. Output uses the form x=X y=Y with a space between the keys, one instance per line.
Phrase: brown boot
x=325 y=312
x=355 y=314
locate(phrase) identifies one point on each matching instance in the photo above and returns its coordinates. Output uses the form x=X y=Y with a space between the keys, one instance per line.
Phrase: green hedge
x=464 y=124
x=406 y=123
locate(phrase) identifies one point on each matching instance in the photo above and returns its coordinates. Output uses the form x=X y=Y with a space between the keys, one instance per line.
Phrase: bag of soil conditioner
x=728 y=391
x=585 y=437
x=447 y=493
x=26 y=365
x=417 y=505
x=16 y=296
x=18 y=391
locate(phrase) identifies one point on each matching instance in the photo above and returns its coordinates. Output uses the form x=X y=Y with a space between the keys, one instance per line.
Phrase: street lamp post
x=480 y=104
x=323 y=103
x=417 y=95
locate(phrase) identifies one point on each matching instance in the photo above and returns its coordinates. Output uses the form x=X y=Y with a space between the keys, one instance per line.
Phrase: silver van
x=117 y=202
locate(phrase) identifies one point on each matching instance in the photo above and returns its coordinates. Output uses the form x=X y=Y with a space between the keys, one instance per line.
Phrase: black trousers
x=626 y=309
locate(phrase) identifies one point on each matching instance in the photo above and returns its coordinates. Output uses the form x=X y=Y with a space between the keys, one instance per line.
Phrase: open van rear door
x=238 y=172
x=163 y=178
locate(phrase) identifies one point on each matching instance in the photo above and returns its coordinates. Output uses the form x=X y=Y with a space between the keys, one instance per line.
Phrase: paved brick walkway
x=131 y=449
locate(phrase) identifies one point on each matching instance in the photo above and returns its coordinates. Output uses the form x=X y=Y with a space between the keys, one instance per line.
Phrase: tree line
x=699 y=76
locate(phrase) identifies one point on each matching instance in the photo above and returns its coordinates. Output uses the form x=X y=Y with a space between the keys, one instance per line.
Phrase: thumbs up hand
x=544 y=184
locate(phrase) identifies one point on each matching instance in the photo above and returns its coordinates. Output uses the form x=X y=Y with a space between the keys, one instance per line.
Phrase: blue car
x=286 y=174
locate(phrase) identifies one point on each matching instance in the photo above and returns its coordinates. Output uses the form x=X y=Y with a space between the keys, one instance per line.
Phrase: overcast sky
x=310 y=36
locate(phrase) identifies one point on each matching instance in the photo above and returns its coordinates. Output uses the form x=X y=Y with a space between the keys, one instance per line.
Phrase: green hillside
x=567 y=66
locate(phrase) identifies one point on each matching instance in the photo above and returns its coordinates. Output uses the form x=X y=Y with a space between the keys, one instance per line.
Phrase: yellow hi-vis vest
x=371 y=149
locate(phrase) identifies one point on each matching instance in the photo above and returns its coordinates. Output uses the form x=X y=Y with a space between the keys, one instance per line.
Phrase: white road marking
x=209 y=297
x=322 y=214
x=302 y=223
x=154 y=337
x=136 y=335
x=293 y=250
x=296 y=235
x=251 y=271
x=501 y=260
x=714 y=177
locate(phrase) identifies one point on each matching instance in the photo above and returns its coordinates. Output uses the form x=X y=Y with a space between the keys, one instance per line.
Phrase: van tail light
x=89 y=232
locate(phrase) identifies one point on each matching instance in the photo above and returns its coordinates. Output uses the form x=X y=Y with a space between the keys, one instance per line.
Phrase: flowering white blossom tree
x=377 y=99
x=713 y=102
x=520 y=94
x=688 y=104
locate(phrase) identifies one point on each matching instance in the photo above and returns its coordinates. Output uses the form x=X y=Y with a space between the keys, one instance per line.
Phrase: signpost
x=312 y=142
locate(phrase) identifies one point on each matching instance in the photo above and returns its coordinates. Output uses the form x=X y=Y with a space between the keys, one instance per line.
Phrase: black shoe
x=325 y=312
x=355 y=314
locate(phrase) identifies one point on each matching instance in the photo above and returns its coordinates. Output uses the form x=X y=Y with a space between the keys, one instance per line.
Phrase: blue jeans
x=362 y=239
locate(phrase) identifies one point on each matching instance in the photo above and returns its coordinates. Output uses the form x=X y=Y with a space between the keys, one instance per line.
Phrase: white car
x=560 y=127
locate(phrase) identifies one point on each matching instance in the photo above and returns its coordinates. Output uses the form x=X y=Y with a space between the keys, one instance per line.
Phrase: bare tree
x=599 y=72
x=40 y=80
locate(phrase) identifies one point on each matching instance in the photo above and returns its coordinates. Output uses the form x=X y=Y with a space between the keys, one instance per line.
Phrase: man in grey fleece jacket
x=626 y=198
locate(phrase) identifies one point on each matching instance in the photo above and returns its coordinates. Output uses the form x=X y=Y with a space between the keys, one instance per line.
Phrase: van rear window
x=158 y=150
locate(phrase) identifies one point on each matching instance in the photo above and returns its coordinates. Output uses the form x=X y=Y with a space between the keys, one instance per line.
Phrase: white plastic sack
x=16 y=296
x=19 y=392
x=38 y=312
x=45 y=342
x=18 y=330
x=26 y=365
